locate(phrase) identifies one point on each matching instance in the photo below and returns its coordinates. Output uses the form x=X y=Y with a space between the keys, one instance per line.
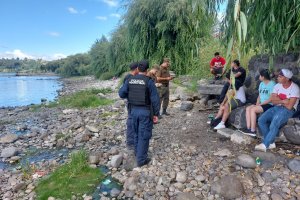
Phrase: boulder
x=186 y=105
x=240 y=138
x=181 y=177
x=229 y=187
x=237 y=117
x=93 y=129
x=294 y=165
x=226 y=132
x=116 y=161
x=211 y=89
x=186 y=196
x=291 y=131
x=9 y=138
x=223 y=153
x=246 y=161
x=93 y=159
x=9 y=152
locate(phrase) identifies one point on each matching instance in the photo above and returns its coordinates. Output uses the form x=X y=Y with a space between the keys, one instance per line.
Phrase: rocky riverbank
x=189 y=161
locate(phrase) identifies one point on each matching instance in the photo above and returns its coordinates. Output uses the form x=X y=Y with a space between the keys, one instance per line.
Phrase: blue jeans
x=142 y=125
x=271 y=121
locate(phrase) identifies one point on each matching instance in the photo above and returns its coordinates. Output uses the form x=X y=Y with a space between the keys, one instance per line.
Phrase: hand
x=155 y=119
x=169 y=78
x=286 y=102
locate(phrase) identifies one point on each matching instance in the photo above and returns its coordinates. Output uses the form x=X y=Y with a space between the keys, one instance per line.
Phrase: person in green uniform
x=163 y=76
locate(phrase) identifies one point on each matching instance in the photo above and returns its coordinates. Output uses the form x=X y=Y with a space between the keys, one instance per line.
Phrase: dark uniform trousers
x=164 y=94
x=129 y=132
x=142 y=125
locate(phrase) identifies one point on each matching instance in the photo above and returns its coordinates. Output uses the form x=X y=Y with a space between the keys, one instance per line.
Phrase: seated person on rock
x=263 y=102
x=232 y=100
x=285 y=98
x=217 y=66
x=240 y=76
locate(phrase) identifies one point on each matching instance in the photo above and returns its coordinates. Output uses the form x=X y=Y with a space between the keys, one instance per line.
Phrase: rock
x=51 y=198
x=186 y=106
x=223 y=153
x=292 y=132
x=260 y=180
x=119 y=104
x=93 y=159
x=181 y=177
x=9 y=138
x=174 y=98
x=70 y=111
x=294 y=165
x=210 y=89
x=186 y=196
x=229 y=187
x=116 y=161
x=19 y=186
x=237 y=117
x=276 y=197
x=92 y=129
x=8 y=152
x=88 y=198
x=239 y=138
x=246 y=161
x=226 y=132
x=129 y=194
x=200 y=178
x=114 y=192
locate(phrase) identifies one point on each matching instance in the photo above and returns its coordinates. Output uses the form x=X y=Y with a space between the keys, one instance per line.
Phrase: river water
x=26 y=90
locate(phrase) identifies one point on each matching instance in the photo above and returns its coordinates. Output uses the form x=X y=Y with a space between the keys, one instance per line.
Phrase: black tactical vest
x=138 y=94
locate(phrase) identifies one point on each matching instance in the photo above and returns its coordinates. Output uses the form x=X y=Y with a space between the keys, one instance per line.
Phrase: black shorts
x=266 y=107
x=217 y=70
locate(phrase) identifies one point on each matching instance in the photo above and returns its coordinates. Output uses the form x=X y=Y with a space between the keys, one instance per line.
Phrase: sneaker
x=261 y=147
x=272 y=146
x=248 y=132
x=208 y=122
x=220 y=126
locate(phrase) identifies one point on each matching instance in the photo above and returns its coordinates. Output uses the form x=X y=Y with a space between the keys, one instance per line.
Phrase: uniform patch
x=137 y=82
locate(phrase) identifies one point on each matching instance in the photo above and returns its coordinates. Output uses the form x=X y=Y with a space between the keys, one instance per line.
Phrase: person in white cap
x=285 y=98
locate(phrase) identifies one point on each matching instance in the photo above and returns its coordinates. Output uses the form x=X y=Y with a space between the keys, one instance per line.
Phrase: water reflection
x=26 y=90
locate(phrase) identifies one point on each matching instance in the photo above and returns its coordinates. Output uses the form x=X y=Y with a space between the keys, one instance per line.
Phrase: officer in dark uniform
x=130 y=131
x=143 y=98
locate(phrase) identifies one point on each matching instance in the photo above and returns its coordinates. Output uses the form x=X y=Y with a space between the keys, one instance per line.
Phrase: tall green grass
x=74 y=178
x=86 y=99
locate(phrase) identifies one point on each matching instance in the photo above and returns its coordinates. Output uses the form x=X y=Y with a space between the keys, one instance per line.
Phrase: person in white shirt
x=226 y=107
x=285 y=98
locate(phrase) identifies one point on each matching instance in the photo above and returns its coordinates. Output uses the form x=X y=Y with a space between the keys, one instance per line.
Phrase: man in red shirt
x=217 y=65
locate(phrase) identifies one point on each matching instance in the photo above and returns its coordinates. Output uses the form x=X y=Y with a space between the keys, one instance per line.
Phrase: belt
x=143 y=107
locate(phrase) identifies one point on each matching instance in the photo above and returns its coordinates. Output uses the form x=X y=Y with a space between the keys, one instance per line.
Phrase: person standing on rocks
x=217 y=64
x=285 y=98
x=142 y=96
x=129 y=131
x=164 y=77
x=263 y=102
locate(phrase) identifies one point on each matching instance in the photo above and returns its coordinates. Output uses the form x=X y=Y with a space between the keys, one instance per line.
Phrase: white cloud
x=115 y=15
x=102 y=18
x=17 y=53
x=72 y=10
x=111 y=3
x=54 y=34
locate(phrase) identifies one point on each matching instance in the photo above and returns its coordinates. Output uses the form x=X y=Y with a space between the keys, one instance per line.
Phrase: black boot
x=165 y=112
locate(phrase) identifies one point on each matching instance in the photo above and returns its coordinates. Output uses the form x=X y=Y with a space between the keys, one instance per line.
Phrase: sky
x=53 y=29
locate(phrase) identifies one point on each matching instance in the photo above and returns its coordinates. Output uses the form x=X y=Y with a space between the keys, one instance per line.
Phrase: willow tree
x=169 y=28
x=273 y=25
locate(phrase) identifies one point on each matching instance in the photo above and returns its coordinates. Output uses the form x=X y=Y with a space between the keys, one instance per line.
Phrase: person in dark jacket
x=129 y=131
x=144 y=100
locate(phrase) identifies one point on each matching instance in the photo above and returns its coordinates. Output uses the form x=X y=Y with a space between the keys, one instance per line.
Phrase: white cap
x=287 y=73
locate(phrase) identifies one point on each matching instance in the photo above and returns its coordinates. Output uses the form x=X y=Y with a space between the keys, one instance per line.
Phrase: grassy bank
x=86 y=99
x=81 y=99
x=74 y=178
